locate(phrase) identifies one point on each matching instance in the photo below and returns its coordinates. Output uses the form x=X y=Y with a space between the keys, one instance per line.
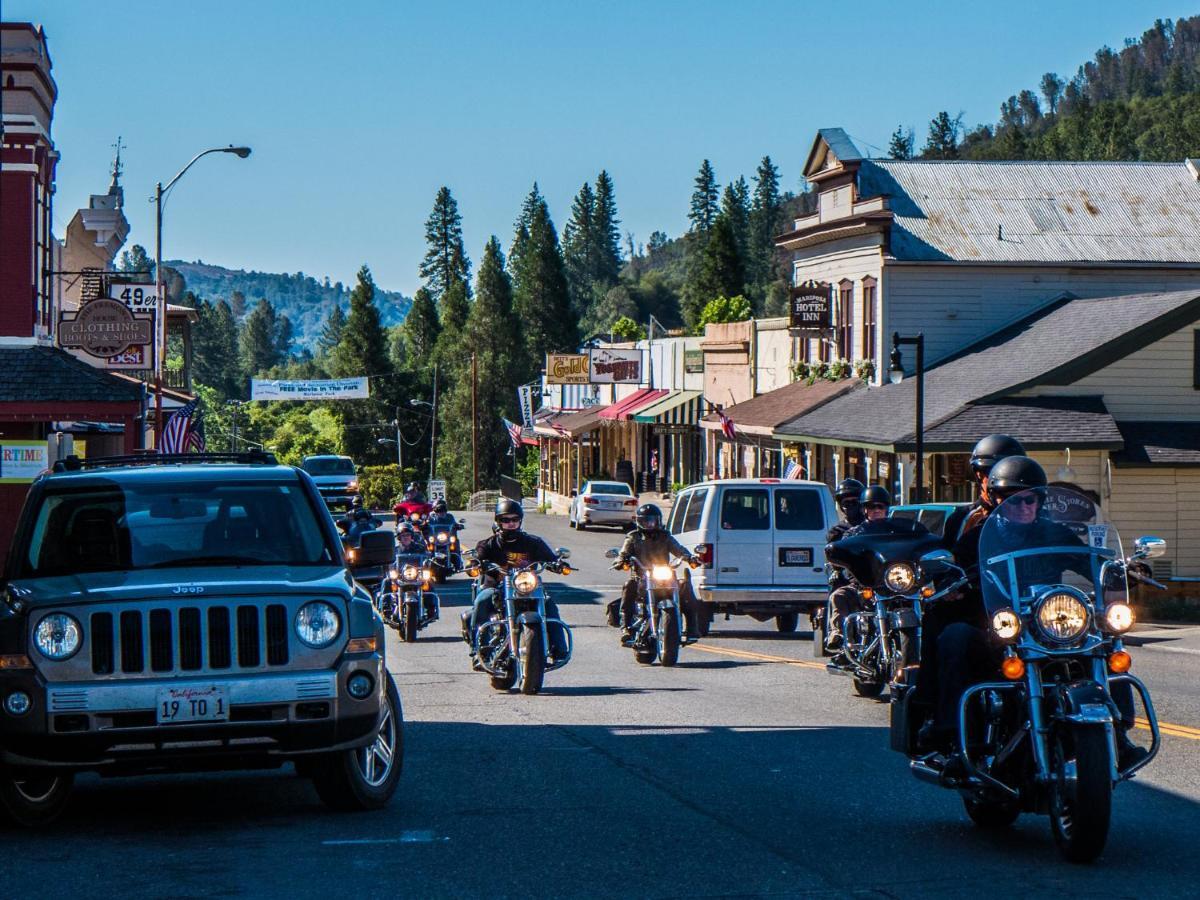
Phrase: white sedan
x=603 y=503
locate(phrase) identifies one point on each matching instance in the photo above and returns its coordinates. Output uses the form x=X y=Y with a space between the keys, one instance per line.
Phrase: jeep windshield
x=118 y=527
x=325 y=465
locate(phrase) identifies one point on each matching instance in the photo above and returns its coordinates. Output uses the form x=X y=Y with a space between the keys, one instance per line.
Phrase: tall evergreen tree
x=704 y=208
x=420 y=330
x=259 y=339
x=942 y=142
x=764 y=221
x=579 y=250
x=529 y=205
x=540 y=300
x=491 y=334
x=363 y=351
x=135 y=259
x=215 y=349
x=735 y=202
x=285 y=335
x=331 y=332
x=901 y=144
x=720 y=274
x=606 y=228
x=445 y=261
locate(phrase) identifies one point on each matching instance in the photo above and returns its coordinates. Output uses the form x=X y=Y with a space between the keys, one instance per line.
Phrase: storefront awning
x=639 y=399
x=763 y=414
x=677 y=408
x=570 y=425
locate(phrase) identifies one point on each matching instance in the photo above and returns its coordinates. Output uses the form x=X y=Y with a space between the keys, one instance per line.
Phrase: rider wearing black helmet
x=440 y=514
x=989 y=451
x=870 y=505
x=510 y=547
x=652 y=545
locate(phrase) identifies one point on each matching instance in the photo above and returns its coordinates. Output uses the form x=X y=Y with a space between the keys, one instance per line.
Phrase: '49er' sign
x=811 y=306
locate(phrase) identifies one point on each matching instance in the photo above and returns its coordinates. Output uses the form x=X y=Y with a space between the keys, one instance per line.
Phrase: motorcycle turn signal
x=1013 y=667
x=1119 y=662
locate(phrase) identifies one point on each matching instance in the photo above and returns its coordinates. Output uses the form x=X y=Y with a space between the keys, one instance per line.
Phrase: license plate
x=198 y=703
x=611 y=505
x=795 y=556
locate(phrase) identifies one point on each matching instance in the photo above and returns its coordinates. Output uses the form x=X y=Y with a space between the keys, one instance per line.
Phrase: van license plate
x=198 y=703
x=795 y=556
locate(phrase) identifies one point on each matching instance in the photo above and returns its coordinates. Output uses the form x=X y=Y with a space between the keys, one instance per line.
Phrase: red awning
x=623 y=409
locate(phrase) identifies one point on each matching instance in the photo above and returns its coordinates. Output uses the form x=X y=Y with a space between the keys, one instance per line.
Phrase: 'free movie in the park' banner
x=330 y=389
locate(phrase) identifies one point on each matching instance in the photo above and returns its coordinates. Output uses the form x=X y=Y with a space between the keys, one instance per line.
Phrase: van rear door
x=742 y=533
x=798 y=557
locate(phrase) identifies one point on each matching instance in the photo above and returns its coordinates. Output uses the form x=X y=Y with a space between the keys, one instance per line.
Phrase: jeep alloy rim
x=375 y=760
x=35 y=790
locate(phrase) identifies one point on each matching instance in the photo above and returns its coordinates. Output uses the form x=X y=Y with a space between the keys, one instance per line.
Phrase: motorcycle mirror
x=612 y=553
x=562 y=552
x=938 y=556
x=462 y=523
x=1148 y=547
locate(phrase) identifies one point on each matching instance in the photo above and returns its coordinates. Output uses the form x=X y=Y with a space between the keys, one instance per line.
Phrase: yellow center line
x=1183 y=731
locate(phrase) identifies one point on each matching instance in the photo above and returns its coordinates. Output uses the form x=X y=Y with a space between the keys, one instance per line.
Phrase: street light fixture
x=160 y=336
x=896 y=375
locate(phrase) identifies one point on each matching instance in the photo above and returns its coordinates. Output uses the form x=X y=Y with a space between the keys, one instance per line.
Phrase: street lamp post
x=896 y=375
x=160 y=335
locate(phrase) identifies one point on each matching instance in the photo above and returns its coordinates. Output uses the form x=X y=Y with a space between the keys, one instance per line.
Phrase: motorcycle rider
x=988 y=451
x=440 y=515
x=652 y=546
x=510 y=547
x=412 y=502
x=357 y=521
x=871 y=505
x=408 y=542
x=965 y=654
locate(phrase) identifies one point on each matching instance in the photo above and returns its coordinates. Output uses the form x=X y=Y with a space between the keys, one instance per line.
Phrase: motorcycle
x=401 y=599
x=1043 y=738
x=895 y=565
x=444 y=543
x=514 y=643
x=658 y=630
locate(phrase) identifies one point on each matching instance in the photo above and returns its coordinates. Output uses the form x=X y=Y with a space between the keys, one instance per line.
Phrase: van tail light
x=631 y=503
x=590 y=501
x=705 y=552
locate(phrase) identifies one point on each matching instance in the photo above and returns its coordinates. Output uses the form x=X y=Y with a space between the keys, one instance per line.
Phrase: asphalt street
x=745 y=771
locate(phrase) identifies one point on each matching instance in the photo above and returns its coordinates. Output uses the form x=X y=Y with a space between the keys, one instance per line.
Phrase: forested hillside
x=307 y=302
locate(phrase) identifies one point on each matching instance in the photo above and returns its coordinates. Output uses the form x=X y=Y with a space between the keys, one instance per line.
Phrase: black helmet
x=648 y=517
x=992 y=449
x=1015 y=473
x=849 y=488
x=439 y=506
x=874 y=495
x=356 y=502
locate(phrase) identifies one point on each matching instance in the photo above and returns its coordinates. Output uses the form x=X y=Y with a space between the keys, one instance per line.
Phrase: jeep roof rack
x=76 y=464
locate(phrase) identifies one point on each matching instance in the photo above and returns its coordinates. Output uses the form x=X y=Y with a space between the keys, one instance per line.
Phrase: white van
x=763 y=545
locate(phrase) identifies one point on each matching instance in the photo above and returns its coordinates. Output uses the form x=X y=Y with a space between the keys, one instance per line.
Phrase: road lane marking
x=1183 y=731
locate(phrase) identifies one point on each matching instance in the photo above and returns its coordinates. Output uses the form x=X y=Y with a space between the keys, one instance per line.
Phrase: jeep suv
x=184 y=613
x=336 y=478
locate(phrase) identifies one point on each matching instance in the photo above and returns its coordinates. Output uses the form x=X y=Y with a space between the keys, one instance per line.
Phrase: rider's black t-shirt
x=521 y=550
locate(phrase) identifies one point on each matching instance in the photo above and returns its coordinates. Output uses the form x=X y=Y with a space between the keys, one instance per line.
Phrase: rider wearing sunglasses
x=874 y=502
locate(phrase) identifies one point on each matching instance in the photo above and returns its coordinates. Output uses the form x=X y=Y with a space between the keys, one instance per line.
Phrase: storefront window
x=845 y=318
x=868 y=319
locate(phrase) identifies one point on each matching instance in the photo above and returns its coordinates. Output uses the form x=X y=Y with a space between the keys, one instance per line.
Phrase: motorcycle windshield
x=1047 y=537
x=867 y=554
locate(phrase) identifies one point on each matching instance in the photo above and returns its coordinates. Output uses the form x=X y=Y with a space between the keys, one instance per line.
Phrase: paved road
x=746 y=771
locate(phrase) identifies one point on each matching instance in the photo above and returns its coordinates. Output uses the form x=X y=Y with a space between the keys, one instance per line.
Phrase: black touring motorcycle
x=1043 y=737
x=657 y=628
x=405 y=600
x=895 y=565
x=514 y=643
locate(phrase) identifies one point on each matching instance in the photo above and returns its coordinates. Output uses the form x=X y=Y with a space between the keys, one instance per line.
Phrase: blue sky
x=357 y=111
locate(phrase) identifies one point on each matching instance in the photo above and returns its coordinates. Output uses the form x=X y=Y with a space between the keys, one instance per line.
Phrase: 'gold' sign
x=567 y=368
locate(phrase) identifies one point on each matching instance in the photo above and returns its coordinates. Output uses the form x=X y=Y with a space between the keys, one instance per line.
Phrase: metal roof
x=1038 y=211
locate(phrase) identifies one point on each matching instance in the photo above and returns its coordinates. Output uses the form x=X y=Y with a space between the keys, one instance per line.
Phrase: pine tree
x=258 y=342
x=363 y=351
x=285 y=335
x=237 y=305
x=607 y=232
x=720 y=271
x=942 y=142
x=445 y=259
x=579 y=250
x=764 y=221
x=452 y=318
x=491 y=335
x=540 y=300
x=735 y=203
x=215 y=349
x=529 y=205
x=901 y=144
x=135 y=259
x=704 y=199
x=420 y=331
x=331 y=332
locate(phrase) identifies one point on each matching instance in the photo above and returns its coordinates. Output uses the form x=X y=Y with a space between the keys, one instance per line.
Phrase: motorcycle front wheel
x=408 y=627
x=533 y=670
x=1080 y=813
x=668 y=637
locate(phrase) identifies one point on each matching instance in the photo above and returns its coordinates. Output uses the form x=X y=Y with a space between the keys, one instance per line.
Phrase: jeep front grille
x=177 y=642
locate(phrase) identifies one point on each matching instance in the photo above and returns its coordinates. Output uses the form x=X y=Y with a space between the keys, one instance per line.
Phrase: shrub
x=381 y=486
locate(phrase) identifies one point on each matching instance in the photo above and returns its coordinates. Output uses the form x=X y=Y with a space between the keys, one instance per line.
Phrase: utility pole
x=433 y=430
x=399 y=445
x=474 y=425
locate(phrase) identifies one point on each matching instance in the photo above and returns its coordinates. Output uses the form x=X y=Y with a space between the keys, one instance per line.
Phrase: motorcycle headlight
x=393 y=574
x=1062 y=616
x=426 y=574
x=900 y=578
x=662 y=574
x=1118 y=618
x=525 y=582
x=318 y=624
x=442 y=537
x=416 y=517
x=58 y=636
x=411 y=573
x=1006 y=624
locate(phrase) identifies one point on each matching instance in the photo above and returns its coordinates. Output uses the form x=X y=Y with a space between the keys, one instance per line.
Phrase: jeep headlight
x=1006 y=624
x=411 y=573
x=662 y=574
x=318 y=624
x=58 y=636
x=525 y=582
x=900 y=578
x=1118 y=618
x=1062 y=617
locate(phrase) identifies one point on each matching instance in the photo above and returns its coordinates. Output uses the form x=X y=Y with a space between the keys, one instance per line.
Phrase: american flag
x=727 y=426
x=560 y=430
x=184 y=430
x=514 y=433
x=792 y=470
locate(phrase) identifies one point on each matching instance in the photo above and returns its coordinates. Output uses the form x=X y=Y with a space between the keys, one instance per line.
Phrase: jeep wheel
x=32 y=799
x=366 y=778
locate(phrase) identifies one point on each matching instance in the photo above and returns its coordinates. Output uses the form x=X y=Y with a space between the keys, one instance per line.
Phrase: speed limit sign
x=437 y=490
